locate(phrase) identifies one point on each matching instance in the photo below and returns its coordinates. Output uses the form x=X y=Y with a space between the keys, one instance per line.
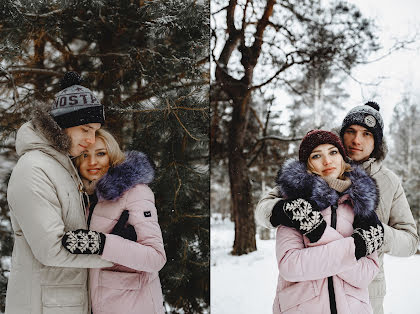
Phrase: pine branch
x=280 y=139
x=179 y=120
x=58 y=11
x=35 y=70
x=148 y=91
x=9 y=76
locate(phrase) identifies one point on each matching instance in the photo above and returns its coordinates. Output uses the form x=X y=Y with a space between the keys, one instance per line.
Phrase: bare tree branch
x=395 y=47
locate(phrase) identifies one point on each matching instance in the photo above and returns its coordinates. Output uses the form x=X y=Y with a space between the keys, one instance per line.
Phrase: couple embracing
x=338 y=210
x=87 y=238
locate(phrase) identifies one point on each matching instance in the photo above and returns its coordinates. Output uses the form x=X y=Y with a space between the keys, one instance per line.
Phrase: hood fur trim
x=52 y=132
x=136 y=169
x=295 y=181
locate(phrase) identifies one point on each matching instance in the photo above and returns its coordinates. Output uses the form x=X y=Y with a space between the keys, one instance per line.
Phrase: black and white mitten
x=82 y=241
x=301 y=215
x=368 y=235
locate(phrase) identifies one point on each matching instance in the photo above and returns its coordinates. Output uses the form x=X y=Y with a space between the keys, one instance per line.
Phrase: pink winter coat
x=132 y=286
x=304 y=269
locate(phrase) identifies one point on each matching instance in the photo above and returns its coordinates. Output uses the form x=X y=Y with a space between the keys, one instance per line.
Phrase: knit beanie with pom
x=367 y=116
x=76 y=105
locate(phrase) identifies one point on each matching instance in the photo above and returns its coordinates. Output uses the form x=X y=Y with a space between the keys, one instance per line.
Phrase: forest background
x=147 y=61
x=282 y=68
x=278 y=70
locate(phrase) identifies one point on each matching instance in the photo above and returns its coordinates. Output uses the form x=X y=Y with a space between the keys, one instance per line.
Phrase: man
x=45 y=196
x=362 y=136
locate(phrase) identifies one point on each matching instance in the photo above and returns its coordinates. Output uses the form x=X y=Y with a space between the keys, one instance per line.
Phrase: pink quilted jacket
x=132 y=285
x=304 y=269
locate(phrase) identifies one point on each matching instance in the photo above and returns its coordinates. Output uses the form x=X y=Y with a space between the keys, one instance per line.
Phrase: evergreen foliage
x=404 y=156
x=148 y=63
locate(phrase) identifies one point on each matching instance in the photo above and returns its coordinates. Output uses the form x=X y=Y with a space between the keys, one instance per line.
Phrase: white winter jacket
x=45 y=201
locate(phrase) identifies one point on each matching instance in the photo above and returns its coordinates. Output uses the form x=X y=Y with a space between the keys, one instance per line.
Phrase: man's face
x=81 y=137
x=358 y=142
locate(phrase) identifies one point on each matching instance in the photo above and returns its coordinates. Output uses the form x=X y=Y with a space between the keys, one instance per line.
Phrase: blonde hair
x=345 y=167
x=116 y=156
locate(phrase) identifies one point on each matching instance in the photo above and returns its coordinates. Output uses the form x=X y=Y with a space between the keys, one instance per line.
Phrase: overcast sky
x=397 y=73
x=396 y=20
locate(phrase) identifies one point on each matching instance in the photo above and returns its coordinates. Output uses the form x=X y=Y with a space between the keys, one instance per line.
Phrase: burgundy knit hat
x=318 y=137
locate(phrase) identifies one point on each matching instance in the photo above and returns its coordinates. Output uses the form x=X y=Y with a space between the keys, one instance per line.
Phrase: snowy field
x=246 y=284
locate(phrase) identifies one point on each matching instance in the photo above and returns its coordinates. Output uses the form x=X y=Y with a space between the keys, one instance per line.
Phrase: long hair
x=116 y=156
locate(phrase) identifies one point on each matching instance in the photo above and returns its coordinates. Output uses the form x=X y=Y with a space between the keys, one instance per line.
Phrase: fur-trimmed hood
x=40 y=134
x=135 y=169
x=46 y=125
x=295 y=181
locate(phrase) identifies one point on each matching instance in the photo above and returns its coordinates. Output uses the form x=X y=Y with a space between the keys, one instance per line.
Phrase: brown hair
x=116 y=156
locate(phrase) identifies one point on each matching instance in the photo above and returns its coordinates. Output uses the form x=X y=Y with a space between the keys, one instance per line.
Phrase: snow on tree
x=148 y=63
x=404 y=153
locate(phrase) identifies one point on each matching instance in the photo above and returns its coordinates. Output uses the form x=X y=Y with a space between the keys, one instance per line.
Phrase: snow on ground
x=246 y=284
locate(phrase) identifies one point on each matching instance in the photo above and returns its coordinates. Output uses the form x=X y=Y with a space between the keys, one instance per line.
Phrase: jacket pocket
x=119 y=280
x=297 y=295
x=357 y=299
x=63 y=299
x=117 y=290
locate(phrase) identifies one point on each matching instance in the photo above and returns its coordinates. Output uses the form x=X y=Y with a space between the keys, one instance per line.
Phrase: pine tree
x=404 y=157
x=148 y=63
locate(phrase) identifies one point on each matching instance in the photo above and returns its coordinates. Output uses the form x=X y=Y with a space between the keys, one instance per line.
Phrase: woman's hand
x=127 y=232
x=301 y=215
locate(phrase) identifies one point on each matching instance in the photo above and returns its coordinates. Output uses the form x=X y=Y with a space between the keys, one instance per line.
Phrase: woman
x=120 y=182
x=329 y=233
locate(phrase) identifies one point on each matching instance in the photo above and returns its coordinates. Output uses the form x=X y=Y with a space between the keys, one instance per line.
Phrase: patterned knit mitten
x=301 y=215
x=83 y=241
x=368 y=235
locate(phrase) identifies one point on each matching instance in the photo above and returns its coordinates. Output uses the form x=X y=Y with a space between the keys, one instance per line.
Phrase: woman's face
x=326 y=160
x=94 y=161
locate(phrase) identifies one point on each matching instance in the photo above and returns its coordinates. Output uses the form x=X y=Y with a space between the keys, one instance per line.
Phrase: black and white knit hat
x=76 y=105
x=367 y=116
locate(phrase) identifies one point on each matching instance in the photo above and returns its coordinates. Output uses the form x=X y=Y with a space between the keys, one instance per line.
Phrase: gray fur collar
x=135 y=169
x=295 y=181
x=45 y=124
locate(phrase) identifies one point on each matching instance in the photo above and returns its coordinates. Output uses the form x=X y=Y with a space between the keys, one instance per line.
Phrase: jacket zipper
x=331 y=293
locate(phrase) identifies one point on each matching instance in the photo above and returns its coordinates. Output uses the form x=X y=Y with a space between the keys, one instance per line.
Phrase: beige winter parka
x=400 y=237
x=45 y=201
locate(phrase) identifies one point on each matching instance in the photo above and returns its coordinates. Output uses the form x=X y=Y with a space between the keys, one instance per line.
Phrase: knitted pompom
x=372 y=104
x=69 y=79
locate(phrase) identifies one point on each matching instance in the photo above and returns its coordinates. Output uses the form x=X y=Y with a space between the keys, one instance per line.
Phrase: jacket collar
x=295 y=181
x=42 y=133
x=136 y=169
x=51 y=131
x=372 y=166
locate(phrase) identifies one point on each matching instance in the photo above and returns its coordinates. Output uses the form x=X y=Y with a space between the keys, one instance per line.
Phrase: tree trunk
x=39 y=51
x=108 y=83
x=240 y=187
x=239 y=92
